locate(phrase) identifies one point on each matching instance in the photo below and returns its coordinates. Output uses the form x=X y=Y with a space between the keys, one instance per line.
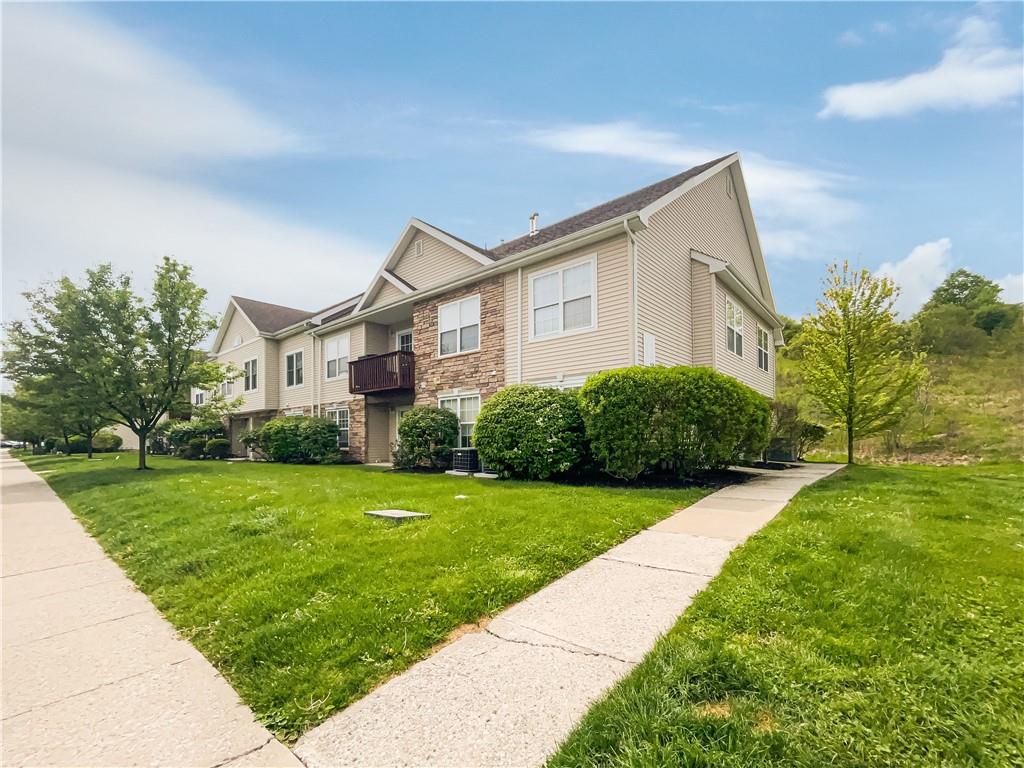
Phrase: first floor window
x=762 y=349
x=293 y=369
x=733 y=328
x=249 y=381
x=563 y=300
x=458 y=325
x=340 y=417
x=336 y=354
x=199 y=398
x=226 y=388
x=466 y=407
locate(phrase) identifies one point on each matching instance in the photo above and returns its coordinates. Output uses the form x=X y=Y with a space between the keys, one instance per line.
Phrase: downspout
x=519 y=325
x=634 y=318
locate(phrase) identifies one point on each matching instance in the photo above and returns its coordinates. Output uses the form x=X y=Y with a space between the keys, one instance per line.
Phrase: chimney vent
x=533 y=223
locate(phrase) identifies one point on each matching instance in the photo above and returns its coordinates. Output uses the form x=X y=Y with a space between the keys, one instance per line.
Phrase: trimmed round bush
x=687 y=420
x=530 y=432
x=297 y=439
x=193 y=449
x=218 y=448
x=426 y=436
x=107 y=442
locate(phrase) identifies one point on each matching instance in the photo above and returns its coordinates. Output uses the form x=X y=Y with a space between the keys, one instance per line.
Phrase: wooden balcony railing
x=390 y=372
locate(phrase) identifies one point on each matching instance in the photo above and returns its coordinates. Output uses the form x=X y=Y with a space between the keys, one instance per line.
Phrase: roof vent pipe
x=533 y=223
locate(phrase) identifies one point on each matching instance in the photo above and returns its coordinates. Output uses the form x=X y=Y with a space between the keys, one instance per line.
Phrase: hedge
x=218 y=448
x=102 y=442
x=426 y=436
x=295 y=439
x=682 y=419
x=530 y=432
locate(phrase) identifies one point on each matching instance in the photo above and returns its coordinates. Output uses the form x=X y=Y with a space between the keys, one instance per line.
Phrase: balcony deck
x=376 y=374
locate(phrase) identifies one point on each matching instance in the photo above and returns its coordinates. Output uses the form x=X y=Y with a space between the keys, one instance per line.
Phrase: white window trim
x=298 y=351
x=259 y=375
x=760 y=349
x=199 y=398
x=458 y=329
x=410 y=332
x=458 y=395
x=342 y=369
x=736 y=308
x=328 y=414
x=224 y=385
x=530 y=278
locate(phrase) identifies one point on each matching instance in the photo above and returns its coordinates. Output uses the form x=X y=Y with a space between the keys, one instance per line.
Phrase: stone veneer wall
x=482 y=370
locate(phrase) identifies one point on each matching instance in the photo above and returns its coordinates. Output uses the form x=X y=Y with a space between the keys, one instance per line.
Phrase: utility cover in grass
x=395 y=515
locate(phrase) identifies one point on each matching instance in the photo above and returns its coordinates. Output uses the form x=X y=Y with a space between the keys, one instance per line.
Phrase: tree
x=148 y=352
x=51 y=355
x=857 y=360
x=23 y=420
x=965 y=289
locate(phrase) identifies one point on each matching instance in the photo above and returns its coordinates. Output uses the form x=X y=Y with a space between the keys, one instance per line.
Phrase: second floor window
x=293 y=369
x=762 y=349
x=563 y=300
x=403 y=341
x=249 y=380
x=336 y=354
x=733 y=328
x=226 y=388
x=458 y=325
x=199 y=398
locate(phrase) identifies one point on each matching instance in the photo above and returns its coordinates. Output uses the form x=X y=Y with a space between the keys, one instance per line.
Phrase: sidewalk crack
x=257 y=748
x=654 y=567
x=578 y=649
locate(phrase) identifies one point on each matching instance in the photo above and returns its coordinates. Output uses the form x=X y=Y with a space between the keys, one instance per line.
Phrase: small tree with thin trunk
x=857 y=363
x=148 y=352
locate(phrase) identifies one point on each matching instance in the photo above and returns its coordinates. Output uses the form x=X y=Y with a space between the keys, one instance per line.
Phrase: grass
x=876 y=622
x=302 y=602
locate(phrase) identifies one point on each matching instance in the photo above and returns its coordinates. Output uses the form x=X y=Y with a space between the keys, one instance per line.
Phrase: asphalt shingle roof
x=270 y=318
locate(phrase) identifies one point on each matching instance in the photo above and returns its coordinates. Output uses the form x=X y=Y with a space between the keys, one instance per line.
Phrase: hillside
x=971 y=409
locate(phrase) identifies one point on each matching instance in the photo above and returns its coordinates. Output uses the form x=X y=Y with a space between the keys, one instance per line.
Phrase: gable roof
x=270 y=318
x=620 y=206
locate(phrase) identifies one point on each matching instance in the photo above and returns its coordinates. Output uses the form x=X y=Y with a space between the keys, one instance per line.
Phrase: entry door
x=400 y=411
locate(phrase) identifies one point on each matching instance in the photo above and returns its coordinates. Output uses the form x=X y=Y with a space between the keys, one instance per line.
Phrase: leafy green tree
x=965 y=289
x=24 y=420
x=147 y=351
x=857 y=361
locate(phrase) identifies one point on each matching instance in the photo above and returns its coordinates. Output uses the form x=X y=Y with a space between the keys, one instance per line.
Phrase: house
x=671 y=274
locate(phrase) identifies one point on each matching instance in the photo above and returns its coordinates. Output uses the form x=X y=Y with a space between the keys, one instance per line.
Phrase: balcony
x=377 y=374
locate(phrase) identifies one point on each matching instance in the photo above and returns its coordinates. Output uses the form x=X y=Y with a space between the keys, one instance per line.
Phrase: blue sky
x=280 y=148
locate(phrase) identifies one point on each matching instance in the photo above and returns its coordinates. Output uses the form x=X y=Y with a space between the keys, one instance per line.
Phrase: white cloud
x=919 y=273
x=882 y=28
x=104 y=143
x=850 y=39
x=1013 y=288
x=975 y=72
x=796 y=204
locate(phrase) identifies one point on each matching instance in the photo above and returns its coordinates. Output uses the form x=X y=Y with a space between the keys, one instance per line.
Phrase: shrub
x=193 y=449
x=103 y=441
x=218 y=448
x=181 y=433
x=296 y=439
x=791 y=436
x=683 y=419
x=425 y=438
x=531 y=432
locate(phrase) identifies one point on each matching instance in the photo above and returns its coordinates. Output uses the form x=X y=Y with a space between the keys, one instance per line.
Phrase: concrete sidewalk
x=509 y=695
x=93 y=675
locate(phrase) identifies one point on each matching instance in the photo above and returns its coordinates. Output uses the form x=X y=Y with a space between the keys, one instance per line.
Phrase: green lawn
x=878 y=621
x=302 y=602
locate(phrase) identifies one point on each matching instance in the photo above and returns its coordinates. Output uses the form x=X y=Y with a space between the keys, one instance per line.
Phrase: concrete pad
x=715 y=523
x=63 y=578
x=481 y=701
x=273 y=754
x=762 y=491
x=673 y=551
x=613 y=608
x=732 y=504
x=395 y=515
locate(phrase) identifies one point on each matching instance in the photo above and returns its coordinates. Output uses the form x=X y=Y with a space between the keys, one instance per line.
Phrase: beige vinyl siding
x=265 y=353
x=376 y=339
x=743 y=368
x=437 y=264
x=582 y=353
x=336 y=390
x=299 y=396
x=512 y=310
x=702 y=293
x=387 y=292
x=238 y=325
x=378 y=435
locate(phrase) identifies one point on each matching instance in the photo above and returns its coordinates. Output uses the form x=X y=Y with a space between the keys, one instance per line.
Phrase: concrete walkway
x=509 y=695
x=93 y=675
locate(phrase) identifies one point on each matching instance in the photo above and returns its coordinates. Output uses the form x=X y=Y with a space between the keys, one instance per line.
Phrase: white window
x=340 y=417
x=226 y=388
x=563 y=300
x=237 y=342
x=250 y=379
x=199 y=398
x=762 y=349
x=293 y=369
x=466 y=407
x=459 y=326
x=336 y=351
x=403 y=340
x=733 y=328
x=650 y=357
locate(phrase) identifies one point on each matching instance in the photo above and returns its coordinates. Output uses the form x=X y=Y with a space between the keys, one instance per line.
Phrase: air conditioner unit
x=465 y=460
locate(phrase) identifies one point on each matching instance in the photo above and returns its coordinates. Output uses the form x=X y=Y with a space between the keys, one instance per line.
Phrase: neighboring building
x=671 y=274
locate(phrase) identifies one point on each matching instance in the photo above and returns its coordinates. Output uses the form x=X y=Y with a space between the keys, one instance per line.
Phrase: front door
x=400 y=411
